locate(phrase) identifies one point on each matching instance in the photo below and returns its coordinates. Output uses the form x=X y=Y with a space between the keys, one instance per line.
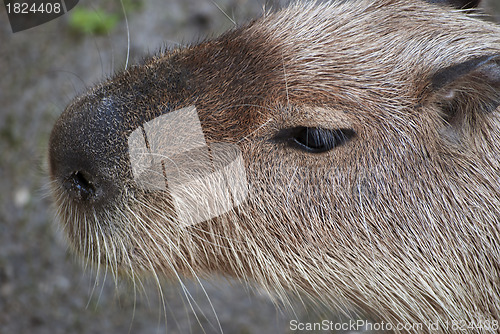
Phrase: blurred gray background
x=44 y=288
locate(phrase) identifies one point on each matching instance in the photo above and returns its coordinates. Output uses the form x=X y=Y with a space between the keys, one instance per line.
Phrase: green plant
x=92 y=22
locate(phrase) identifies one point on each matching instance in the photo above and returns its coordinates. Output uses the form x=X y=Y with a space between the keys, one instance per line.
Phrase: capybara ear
x=467 y=91
x=460 y=4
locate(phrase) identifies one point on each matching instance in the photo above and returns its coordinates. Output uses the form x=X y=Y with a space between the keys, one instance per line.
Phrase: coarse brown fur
x=399 y=219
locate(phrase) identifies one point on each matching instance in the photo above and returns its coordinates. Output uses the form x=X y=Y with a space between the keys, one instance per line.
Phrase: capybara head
x=347 y=151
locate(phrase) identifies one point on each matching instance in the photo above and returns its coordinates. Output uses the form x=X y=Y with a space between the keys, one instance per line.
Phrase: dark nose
x=82 y=185
x=88 y=151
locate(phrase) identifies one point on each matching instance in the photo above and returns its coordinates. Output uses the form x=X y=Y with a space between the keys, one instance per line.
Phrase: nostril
x=80 y=185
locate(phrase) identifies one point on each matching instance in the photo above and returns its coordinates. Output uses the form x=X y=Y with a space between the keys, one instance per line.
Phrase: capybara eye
x=318 y=140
